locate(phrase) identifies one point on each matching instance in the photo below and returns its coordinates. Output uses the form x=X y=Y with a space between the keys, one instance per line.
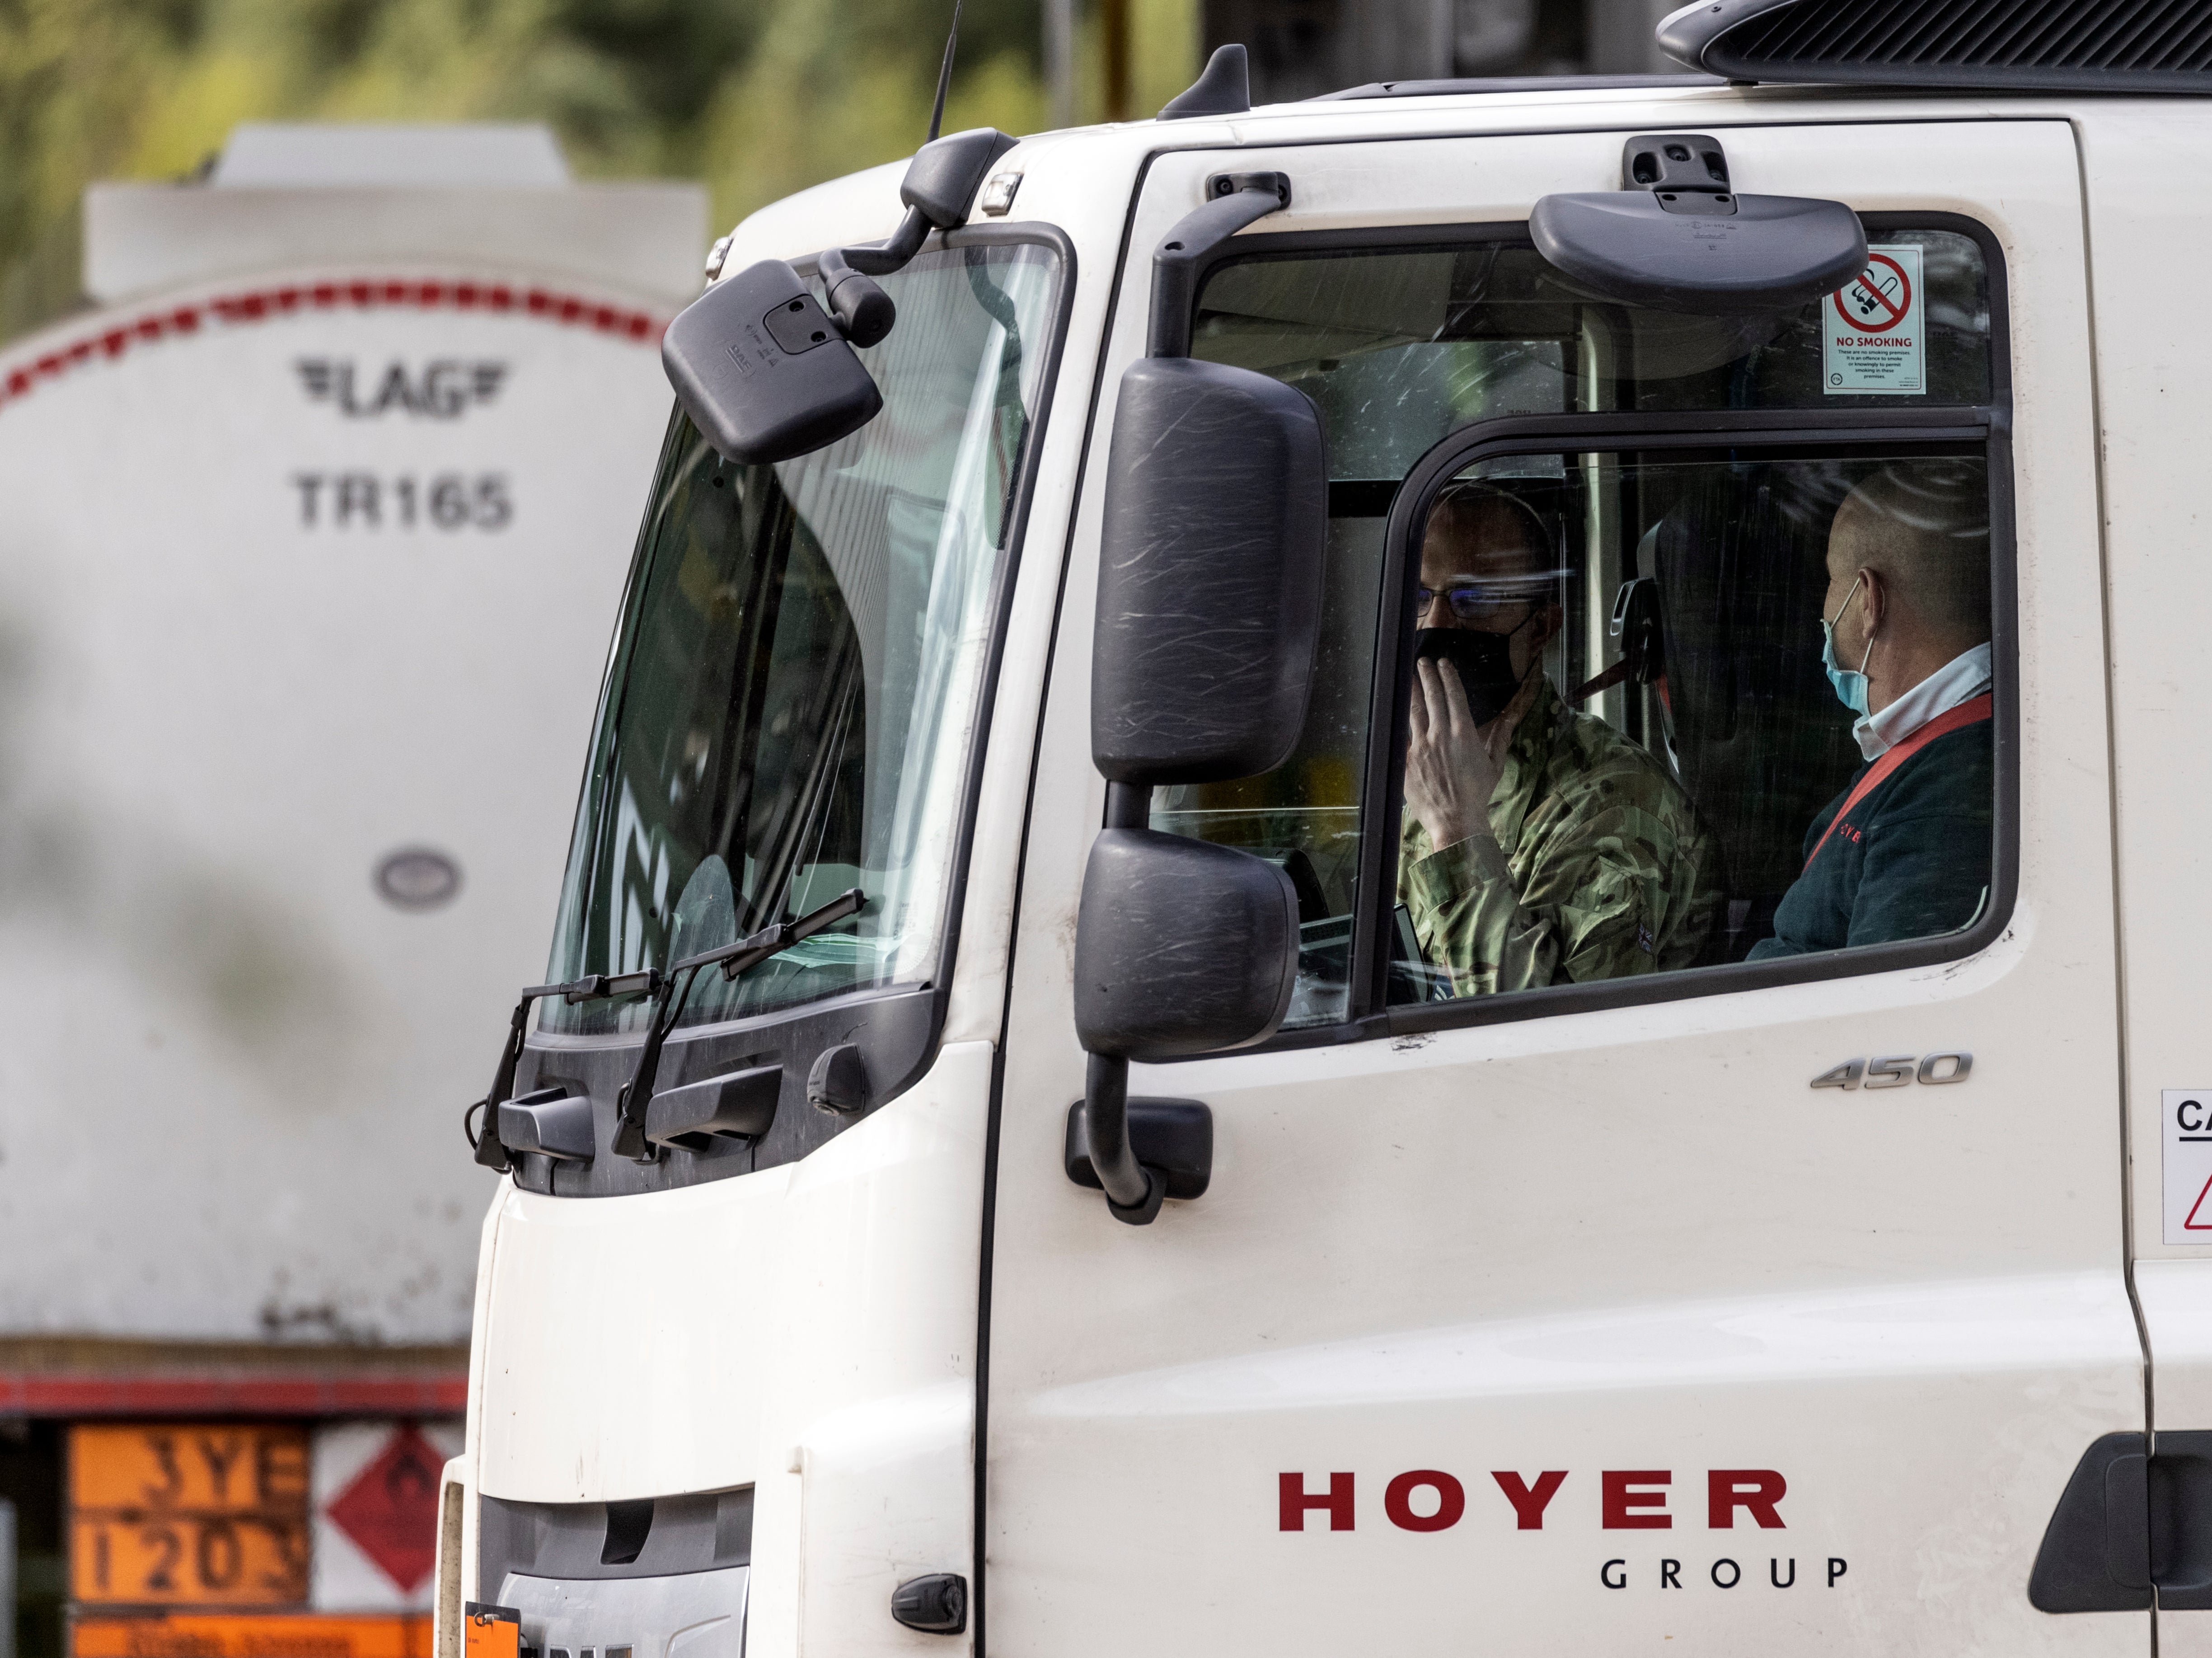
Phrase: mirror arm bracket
x=1234 y=200
x=881 y=259
x=861 y=308
x=864 y=312
x=1135 y=1191
x=1129 y=806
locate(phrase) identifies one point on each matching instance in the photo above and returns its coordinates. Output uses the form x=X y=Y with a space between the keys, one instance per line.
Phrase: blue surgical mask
x=1851 y=683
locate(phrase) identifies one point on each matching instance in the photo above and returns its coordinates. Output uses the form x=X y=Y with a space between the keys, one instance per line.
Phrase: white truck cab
x=1632 y=1004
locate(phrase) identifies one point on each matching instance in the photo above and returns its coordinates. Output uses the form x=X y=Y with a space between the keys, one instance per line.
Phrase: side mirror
x=763 y=371
x=1182 y=947
x=1209 y=610
x=1209 y=574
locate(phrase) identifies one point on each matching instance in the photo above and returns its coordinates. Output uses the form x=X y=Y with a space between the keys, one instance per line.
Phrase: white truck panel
x=754 y=1332
x=2152 y=371
x=2151 y=377
x=1433 y=1194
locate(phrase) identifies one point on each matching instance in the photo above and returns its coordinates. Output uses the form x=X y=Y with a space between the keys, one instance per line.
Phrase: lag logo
x=444 y=388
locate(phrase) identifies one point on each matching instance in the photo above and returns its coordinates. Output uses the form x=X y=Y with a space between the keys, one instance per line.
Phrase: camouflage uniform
x=1601 y=869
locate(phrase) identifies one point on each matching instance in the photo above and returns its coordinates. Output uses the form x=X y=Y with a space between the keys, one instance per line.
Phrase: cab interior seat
x=1760 y=741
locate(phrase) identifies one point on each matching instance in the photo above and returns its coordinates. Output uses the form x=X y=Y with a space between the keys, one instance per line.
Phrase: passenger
x=1540 y=846
x=1904 y=851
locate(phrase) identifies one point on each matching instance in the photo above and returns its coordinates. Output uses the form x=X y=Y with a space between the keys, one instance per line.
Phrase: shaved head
x=1923 y=527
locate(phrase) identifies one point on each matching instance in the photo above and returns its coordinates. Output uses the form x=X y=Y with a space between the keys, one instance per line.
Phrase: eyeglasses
x=1477 y=601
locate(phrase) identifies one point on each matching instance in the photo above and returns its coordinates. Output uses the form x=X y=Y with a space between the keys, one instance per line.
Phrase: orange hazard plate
x=490 y=1632
x=251 y=1635
x=185 y=1514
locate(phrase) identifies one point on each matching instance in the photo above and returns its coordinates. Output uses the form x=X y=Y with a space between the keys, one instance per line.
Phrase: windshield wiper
x=490 y=1149
x=668 y=1001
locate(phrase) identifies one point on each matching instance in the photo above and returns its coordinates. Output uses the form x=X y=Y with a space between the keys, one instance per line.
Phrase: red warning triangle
x=2192 y=1224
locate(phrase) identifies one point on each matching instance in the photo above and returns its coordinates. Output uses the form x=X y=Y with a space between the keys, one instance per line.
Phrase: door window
x=1730 y=785
x=1606 y=693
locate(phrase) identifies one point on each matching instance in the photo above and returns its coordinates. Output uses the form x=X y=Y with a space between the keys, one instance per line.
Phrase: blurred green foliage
x=755 y=98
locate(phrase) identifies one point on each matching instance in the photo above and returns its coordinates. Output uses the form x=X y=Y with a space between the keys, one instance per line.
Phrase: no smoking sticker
x=2188 y=1165
x=1870 y=329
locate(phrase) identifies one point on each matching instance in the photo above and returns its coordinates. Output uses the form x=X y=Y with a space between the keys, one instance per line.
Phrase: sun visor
x=1677 y=236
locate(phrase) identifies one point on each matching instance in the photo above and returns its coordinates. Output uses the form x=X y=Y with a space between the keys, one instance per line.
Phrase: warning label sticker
x=2188 y=1165
x=1870 y=329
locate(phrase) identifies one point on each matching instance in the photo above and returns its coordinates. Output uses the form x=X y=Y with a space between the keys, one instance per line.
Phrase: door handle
x=2134 y=1525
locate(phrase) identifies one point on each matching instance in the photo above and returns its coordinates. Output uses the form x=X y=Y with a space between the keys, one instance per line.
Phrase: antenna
x=945 y=75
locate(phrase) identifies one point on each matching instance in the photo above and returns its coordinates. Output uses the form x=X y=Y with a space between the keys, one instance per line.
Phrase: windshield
x=797 y=682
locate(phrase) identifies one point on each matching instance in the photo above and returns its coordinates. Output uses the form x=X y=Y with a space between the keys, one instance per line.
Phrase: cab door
x=1580 y=1317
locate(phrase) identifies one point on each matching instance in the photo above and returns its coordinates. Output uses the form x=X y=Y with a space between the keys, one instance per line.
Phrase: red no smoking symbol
x=1879 y=299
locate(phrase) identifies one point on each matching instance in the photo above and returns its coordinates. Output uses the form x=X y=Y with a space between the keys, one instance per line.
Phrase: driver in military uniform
x=1540 y=846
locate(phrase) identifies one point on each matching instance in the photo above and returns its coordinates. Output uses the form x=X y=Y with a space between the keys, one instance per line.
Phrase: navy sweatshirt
x=1911 y=860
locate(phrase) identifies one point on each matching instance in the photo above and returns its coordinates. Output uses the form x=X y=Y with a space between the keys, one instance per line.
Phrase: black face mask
x=1484 y=661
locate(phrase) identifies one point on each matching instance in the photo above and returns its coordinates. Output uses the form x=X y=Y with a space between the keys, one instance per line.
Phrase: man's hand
x=1452 y=764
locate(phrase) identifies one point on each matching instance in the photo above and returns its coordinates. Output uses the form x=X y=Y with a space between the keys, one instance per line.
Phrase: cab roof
x=1747 y=61
x=1105 y=160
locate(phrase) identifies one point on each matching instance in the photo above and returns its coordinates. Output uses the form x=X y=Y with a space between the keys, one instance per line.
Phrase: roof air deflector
x=1499 y=83
x=1988 y=45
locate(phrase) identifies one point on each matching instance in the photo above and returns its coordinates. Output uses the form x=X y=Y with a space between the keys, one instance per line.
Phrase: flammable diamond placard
x=389 y=1509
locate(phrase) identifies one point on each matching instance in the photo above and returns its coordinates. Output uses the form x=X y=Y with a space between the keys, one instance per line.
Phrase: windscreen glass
x=796 y=687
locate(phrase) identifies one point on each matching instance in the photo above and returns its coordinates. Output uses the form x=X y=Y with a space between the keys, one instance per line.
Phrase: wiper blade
x=595 y=987
x=668 y=1003
x=489 y=1150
